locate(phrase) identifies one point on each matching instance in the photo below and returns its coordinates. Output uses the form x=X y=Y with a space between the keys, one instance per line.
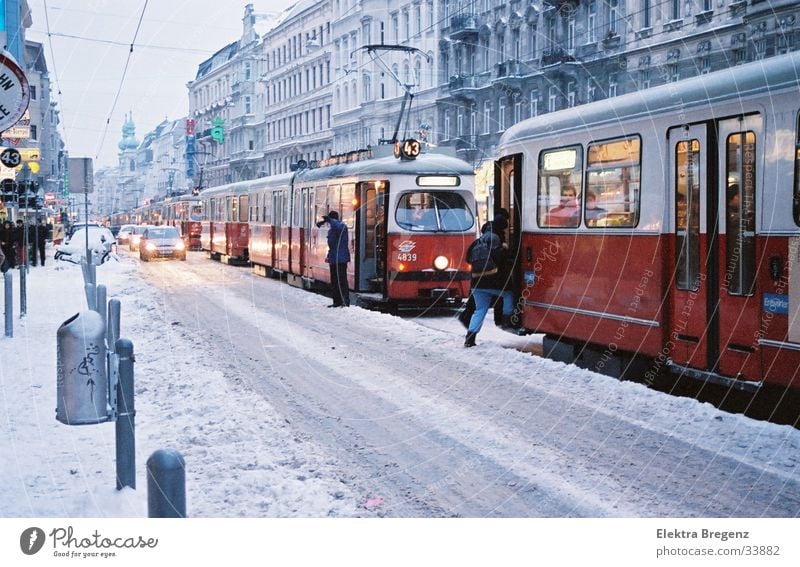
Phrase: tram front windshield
x=433 y=211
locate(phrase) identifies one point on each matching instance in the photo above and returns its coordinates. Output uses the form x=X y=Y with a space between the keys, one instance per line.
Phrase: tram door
x=508 y=196
x=740 y=315
x=714 y=312
x=307 y=200
x=690 y=173
x=371 y=236
x=280 y=243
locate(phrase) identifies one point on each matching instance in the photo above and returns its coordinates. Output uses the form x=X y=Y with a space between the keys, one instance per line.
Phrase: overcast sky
x=91 y=41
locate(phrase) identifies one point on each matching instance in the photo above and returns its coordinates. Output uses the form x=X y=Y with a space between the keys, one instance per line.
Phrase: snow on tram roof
x=732 y=83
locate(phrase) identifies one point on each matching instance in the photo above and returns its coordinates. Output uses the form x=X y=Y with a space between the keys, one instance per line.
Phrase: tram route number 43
x=10 y=157
x=407 y=149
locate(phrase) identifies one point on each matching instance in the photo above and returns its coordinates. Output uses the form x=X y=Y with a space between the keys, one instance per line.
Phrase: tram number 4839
x=407 y=257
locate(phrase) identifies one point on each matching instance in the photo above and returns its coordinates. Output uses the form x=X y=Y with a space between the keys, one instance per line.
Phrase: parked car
x=161 y=242
x=124 y=234
x=100 y=242
x=136 y=236
x=77 y=226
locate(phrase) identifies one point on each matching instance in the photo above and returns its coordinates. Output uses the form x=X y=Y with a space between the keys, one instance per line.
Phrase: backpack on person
x=479 y=256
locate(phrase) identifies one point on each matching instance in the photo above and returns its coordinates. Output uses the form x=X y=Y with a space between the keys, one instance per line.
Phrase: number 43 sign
x=10 y=157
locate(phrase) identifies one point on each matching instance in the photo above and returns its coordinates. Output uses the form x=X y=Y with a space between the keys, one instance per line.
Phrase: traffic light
x=8 y=187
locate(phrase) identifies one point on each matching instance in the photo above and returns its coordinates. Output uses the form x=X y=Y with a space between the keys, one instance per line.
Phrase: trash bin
x=82 y=381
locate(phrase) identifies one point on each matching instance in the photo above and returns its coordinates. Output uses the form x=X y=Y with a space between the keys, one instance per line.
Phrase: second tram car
x=661 y=229
x=410 y=222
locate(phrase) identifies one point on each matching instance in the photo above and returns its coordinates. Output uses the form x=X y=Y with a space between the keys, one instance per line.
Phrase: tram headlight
x=441 y=263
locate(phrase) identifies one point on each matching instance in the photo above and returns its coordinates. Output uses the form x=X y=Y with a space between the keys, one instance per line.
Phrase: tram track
x=439 y=431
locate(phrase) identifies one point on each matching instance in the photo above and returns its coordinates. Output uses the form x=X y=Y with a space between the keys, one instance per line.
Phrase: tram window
x=796 y=196
x=740 y=213
x=560 y=182
x=613 y=174
x=687 y=215
x=196 y=213
x=244 y=208
x=439 y=211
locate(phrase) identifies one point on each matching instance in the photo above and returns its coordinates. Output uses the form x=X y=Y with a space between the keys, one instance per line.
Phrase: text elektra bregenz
x=701 y=534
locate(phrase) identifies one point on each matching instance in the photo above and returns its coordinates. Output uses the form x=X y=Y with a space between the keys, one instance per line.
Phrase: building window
x=672 y=73
x=501 y=115
x=675 y=9
x=534 y=104
x=460 y=124
x=591 y=90
x=591 y=22
x=417 y=19
x=248 y=105
x=571 y=98
x=33 y=132
x=612 y=86
x=571 y=35
x=447 y=126
x=613 y=14
x=517 y=109
x=487 y=117
x=248 y=70
x=646 y=17
x=705 y=65
x=531 y=41
x=761 y=48
x=431 y=16
x=784 y=42
x=33 y=92
x=644 y=79
x=552 y=99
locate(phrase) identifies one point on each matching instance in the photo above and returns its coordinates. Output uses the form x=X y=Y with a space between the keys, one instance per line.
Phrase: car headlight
x=441 y=262
x=136 y=239
x=150 y=246
x=180 y=245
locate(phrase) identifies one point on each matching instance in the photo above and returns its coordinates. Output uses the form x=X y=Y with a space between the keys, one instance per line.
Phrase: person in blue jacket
x=338 y=258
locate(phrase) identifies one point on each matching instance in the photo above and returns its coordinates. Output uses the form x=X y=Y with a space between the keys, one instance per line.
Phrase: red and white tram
x=410 y=223
x=680 y=248
x=184 y=212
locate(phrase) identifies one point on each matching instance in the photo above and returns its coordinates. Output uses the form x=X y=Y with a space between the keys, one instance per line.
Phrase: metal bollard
x=9 y=292
x=23 y=296
x=91 y=296
x=100 y=302
x=126 y=422
x=166 y=485
x=113 y=325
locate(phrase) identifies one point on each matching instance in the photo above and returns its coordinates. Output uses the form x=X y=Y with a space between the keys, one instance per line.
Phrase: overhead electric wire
x=53 y=64
x=121 y=82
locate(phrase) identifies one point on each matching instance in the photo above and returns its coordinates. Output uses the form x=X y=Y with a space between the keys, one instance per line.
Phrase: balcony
x=556 y=56
x=464 y=27
x=508 y=74
x=465 y=86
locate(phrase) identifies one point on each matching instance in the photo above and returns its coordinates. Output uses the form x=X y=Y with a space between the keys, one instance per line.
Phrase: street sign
x=14 y=92
x=29 y=154
x=10 y=157
x=81 y=175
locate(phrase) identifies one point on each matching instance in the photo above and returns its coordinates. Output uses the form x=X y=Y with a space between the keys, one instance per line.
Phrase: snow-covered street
x=283 y=408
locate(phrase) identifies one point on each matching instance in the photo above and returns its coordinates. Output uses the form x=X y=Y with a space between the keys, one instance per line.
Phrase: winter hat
x=333 y=215
x=499 y=223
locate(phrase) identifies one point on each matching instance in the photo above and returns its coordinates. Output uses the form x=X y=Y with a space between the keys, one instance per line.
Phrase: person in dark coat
x=500 y=220
x=42 y=236
x=338 y=258
x=488 y=288
x=8 y=242
x=20 y=242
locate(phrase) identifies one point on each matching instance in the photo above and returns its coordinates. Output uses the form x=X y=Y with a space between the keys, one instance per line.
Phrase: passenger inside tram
x=593 y=212
x=566 y=213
